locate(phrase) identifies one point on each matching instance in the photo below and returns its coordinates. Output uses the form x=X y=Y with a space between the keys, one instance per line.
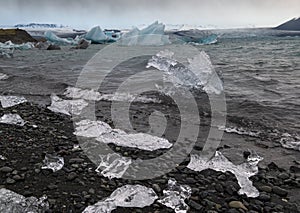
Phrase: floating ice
x=220 y=163
x=151 y=35
x=92 y=95
x=199 y=73
x=96 y=35
x=14 y=119
x=3 y=76
x=239 y=131
x=175 y=195
x=125 y=196
x=105 y=134
x=2 y=157
x=16 y=203
x=53 y=162
x=91 y=129
x=9 y=45
x=67 y=107
x=289 y=142
x=140 y=140
x=9 y=101
x=113 y=165
x=50 y=36
x=197 y=37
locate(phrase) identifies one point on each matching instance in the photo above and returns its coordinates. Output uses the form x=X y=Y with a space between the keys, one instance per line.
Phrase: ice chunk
x=2 y=157
x=86 y=94
x=239 y=131
x=3 y=76
x=175 y=196
x=125 y=196
x=9 y=45
x=96 y=35
x=151 y=35
x=16 y=203
x=50 y=36
x=91 y=129
x=140 y=140
x=220 y=163
x=67 y=107
x=289 y=142
x=53 y=162
x=199 y=73
x=14 y=119
x=9 y=101
x=113 y=165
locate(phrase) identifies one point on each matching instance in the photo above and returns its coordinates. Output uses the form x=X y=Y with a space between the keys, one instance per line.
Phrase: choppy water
x=261 y=76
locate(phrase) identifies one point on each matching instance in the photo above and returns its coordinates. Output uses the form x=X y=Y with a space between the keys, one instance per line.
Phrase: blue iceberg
x=198 y=37
x=97 y=36
x=50 y=36
x=154 y=34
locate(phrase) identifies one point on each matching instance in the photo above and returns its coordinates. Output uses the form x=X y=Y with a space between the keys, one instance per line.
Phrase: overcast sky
x=127 y=13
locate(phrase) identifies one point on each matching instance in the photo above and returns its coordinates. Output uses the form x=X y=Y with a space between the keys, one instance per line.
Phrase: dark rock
x=264 y=197
x=10 y=181
x=52 y=186
x=280 y=191
x=283 y=176
x=266 y=188
x=6 y=169
x=82 y=44
x=195 y=205
x=53 y=47
x=156 y=188
x=72 y=176
x=293 y=25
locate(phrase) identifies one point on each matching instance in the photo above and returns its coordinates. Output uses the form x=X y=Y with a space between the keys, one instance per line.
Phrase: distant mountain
x=36 y=25
x=292 y=25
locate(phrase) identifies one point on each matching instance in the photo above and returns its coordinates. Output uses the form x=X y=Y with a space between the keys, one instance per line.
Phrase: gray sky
x=127 y=13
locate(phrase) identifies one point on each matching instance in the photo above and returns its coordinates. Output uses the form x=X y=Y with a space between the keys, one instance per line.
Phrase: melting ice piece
x=53 y=162
x=289 y=142
x=125 y=196
x=10 y=45
x=113 y=165
x=199 y=73
x=175 y=195
x=96 y=35
x=3 y=76
x=239 y=131
x=67 y=107
x=9 y=101
x=140 y=140
x=2 y=157
x=77 y=93
x=151 y=35
x=12 y=119
x=50 y=36
x=16 y=203
x=91 y=129
x=220 y=163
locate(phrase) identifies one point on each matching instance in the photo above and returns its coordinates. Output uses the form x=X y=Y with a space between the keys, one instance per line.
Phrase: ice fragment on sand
x=91 y=129
x=67 y=107
x=78 y=93
x=53 y=162
x=16 y=203
x=199 y=73
x=9 y=101
x=12 y=119
x=175 y=196
x=2 y=157
x=289 y=142
x=140 y=140
x=113 y=165
x=220 y=163
x=125 y=196
x=151 y=35
x=3 y=76
x=50 y=36
x=96 y=35
x=9 y=45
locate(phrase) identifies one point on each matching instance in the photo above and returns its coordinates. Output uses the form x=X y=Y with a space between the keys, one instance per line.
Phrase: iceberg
x=126 y=196
x=16 y=203
x=9 y=101
x=67 y=107
x=113 y=165
x=197 y=37
x=53 y=162
x=50 y=36
x=9 y=45
x=199 y=73
x=151 y=35
x=220 y=163
x=175 y=196
x=14 y=119
x=97 y=36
